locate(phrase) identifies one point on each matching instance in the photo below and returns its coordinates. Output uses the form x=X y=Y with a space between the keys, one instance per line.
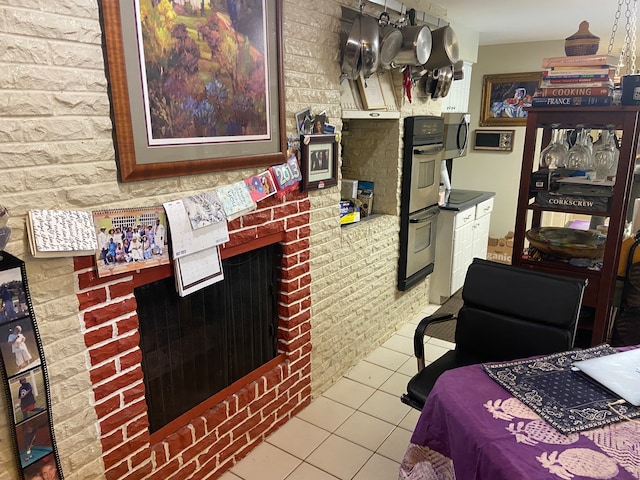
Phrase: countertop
x=459 y=200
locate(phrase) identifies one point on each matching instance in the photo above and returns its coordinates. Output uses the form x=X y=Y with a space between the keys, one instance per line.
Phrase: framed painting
x=319 y=162
x=198 y=88
x=505 y=98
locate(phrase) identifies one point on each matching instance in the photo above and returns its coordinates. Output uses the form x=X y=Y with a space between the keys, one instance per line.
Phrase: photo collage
x=25 y=376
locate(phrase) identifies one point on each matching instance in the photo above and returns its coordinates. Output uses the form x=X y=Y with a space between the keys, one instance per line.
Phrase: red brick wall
x=213 y=441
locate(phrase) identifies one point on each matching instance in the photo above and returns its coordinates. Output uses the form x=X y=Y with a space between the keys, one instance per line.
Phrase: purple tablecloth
x=473 y=429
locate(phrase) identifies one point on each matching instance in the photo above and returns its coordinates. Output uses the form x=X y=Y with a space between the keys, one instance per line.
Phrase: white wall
x=491 y=171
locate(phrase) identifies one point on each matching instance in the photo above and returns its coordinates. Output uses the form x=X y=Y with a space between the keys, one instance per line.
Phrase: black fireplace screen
x=195 y=346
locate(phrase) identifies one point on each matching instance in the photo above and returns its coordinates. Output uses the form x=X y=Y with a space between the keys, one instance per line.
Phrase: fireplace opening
x=195 y=346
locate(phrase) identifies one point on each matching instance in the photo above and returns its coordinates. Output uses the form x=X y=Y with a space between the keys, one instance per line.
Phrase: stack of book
x=583 y=80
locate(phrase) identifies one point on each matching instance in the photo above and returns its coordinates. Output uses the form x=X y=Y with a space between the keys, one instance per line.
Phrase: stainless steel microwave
x=496 y=140
x=456 y=134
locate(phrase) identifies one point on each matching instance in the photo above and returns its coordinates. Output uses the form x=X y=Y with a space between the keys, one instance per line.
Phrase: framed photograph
x=303 y=121
x=505 y=98
x=206 y=96
x=319 y=162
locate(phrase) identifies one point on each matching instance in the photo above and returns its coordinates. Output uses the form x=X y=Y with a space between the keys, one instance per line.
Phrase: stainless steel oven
x=421 y=239
x=423 y=149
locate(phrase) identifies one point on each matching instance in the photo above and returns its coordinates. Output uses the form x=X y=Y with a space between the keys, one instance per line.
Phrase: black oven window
x=195 y=346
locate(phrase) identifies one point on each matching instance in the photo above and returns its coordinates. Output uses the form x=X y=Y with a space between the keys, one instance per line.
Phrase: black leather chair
x=508 y=313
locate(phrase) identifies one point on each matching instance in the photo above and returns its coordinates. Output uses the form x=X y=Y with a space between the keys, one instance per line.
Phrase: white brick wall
x=56 y=152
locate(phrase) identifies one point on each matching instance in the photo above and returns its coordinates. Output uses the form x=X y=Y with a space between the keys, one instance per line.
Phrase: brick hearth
x=206 y=444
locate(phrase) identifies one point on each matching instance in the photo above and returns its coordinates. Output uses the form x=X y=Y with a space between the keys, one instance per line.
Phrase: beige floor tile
x=326 y=413
x=266 y=462
x=387 y=358
x=309 y=472
x=386 y=407
x=400 y=344
x=407 y=330
x=369 y=374
x=410 y=420
x=378 y=468
x=395 y=446
x=339 y=457
x=229 y=476
x=299 y=438
x=410 y=367
x=349 y=392
x=396 y=385
x=432 y=352
x=365 y=430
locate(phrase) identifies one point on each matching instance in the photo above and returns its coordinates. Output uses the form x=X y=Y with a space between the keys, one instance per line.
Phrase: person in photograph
x=137 y=254
x=159 y=232
x=19 y=348
x=151 y=235
x=103 y=244
x=318 y=127
x=147 y=249
x=27 y=399
x=49 y=471
x=111 y=251
x=128 y=235
x=22 y=301
x=119 y=253
x=6 y=295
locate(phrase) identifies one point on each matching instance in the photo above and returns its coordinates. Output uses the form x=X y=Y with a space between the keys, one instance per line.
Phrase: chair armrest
x=418 y=336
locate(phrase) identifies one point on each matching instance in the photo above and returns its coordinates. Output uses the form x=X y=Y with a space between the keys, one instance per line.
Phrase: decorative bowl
x=567 y=242
x=583 y=42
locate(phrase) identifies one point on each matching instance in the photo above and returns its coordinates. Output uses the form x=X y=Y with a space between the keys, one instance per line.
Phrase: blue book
x=580 y=101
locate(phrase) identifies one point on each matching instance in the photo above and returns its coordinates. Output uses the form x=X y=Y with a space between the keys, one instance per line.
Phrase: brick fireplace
x=206 y=441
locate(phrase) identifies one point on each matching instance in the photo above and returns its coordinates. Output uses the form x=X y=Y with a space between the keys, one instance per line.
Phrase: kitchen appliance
x=496 y=140
x=423 y=149
x=456 y=134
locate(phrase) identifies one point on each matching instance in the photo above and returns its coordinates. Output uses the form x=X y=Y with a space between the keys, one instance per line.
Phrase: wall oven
x=422 y=156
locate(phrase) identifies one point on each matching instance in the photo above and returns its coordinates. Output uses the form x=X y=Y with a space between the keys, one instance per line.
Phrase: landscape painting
x=204 y=74
x=195 y=86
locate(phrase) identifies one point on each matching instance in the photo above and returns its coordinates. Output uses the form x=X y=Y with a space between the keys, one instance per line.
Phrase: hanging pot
x=390 y=40
x=369 y=45
x=445 y=50
x=351 y=61
x=416 y=44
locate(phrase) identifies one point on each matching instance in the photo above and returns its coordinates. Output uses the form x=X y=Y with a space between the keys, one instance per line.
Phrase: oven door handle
x=427 y=218
x=428 y=149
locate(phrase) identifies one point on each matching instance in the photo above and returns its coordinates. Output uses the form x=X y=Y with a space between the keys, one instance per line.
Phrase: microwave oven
x=496 y=140
x=456 y=134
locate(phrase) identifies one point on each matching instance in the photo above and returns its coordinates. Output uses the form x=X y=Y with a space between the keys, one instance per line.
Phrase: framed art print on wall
x=198 y=89
x=505 y=98
x=319 y=163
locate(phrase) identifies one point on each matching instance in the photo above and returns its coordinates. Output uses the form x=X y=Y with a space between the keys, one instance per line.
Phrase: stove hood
x=373 y=98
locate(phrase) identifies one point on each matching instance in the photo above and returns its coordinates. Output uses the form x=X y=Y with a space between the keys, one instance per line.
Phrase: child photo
x=18 y=347
x=28 y=394
x=34 y=439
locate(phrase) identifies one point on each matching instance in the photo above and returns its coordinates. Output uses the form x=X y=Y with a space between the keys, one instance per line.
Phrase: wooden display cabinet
x=598 y=300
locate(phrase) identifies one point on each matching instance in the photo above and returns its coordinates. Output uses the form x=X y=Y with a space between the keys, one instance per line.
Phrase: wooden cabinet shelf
x=601 y=283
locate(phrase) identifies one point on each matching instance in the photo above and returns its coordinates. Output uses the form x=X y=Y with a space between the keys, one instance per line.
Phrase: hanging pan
x=390 y=40
x=445 y=48
x=369 y=45
x=351 y=61
x=416 y=43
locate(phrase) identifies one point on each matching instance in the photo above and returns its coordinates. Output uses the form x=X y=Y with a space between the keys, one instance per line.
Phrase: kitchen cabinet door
x=481 y=236
x=462 y=255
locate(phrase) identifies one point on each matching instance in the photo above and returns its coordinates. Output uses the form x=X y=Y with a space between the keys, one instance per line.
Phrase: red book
x=563 y=91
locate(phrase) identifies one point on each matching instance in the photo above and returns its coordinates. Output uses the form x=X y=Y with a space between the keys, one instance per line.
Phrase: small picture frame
x=303 y=121
x=319 y=162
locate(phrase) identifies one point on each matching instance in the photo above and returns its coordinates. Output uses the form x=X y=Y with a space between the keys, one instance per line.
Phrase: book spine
x=581 y=101
x=576 y=79
x=602 y=73
x=547 y=84
x=575 y=91
x=578 y=60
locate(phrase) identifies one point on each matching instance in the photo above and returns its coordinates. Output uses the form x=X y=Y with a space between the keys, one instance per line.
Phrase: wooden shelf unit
x=600 y=290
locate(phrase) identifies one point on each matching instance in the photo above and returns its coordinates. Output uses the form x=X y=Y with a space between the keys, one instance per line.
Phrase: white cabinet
x=461 y=236
x=458 y=98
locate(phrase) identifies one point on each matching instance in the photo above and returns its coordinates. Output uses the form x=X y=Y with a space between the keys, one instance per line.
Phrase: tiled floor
x=357 y=430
